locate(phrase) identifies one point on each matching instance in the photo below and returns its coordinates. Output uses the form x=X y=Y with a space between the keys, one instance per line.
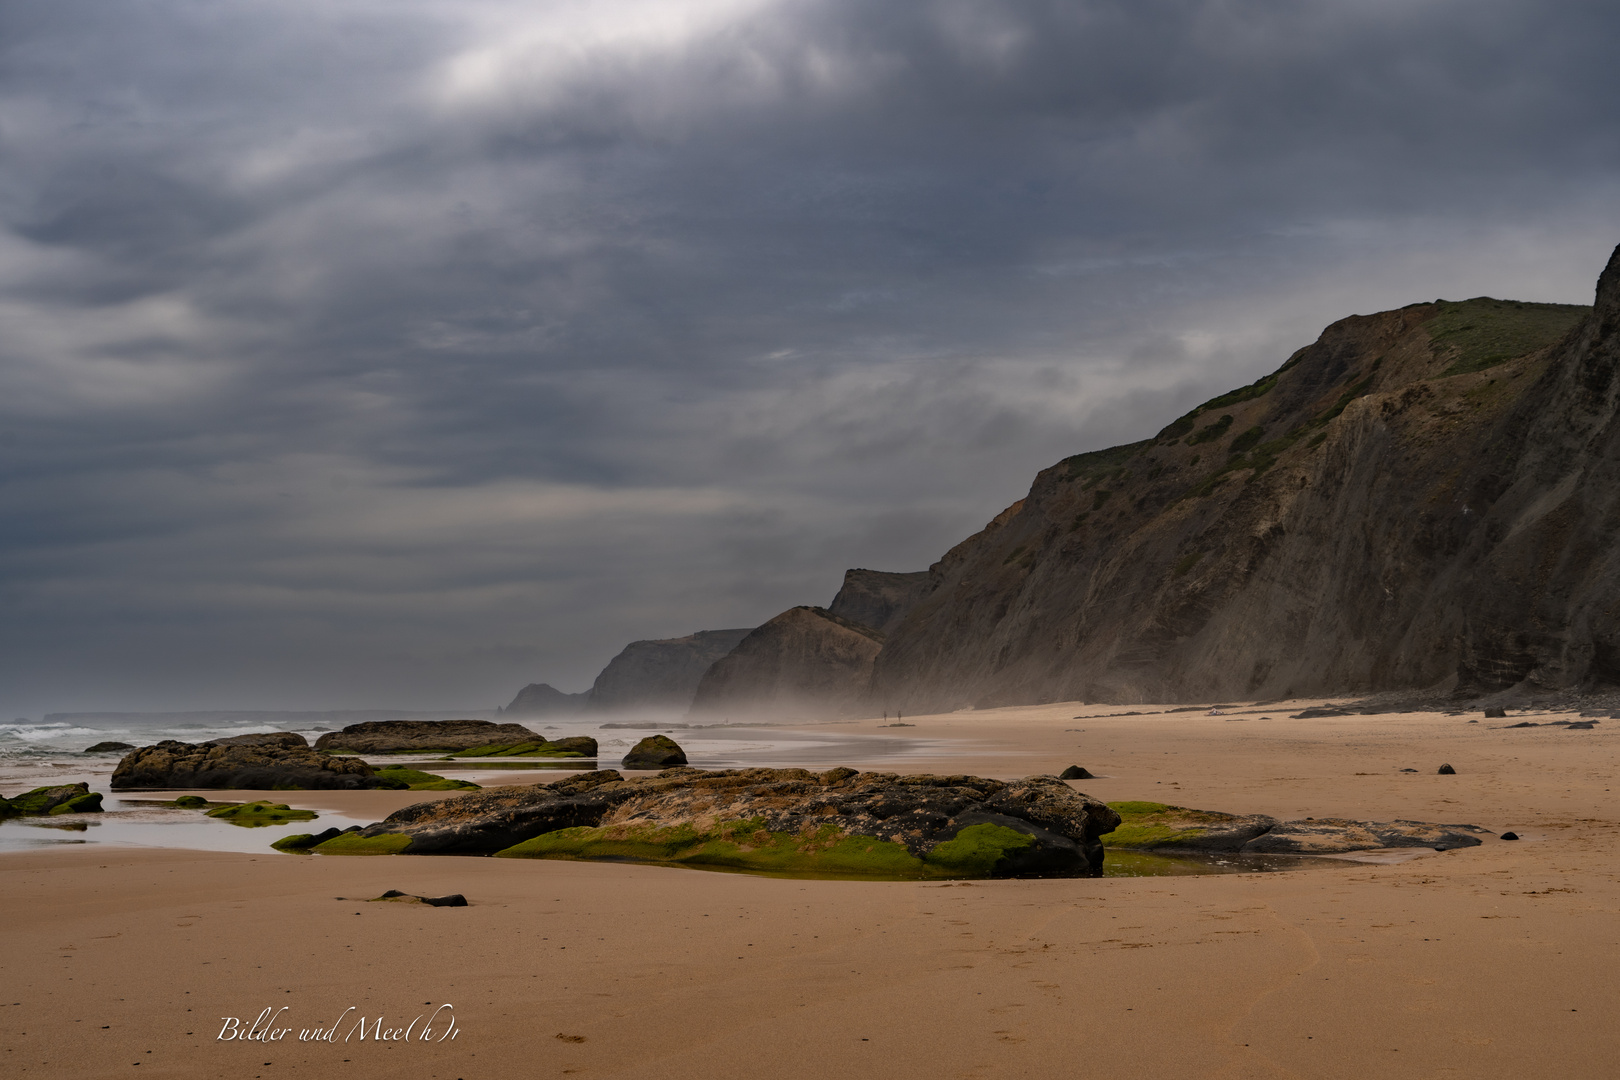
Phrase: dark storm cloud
x=401 y=353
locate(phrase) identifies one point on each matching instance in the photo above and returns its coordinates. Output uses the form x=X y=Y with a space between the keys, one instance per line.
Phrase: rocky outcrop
x=1149 y=826
x=421 y=736
x=785 y=820
x=1423 y=498
x=108 y=747
x=878 y=599
x=256 y=815
x=655 y=752
x=171 y=764
x=543 y=699
x=806 y=662
x=290 y=739
x=60 y=799
x=662 y=674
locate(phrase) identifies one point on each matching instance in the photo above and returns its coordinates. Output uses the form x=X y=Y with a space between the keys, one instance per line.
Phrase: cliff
x=661 y=674
x=1423 y=498
x=878 y=599
x=543 y=699
x=806 y=662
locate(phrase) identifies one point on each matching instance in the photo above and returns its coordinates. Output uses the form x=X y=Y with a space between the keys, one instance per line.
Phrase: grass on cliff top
x=746 y=845
x=1483 y=332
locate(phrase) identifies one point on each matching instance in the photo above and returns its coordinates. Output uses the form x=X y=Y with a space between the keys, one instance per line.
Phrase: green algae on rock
x=578 y=746
x=353 y=843
x=416 y=780
x=840 y=822
x=253 y=815
x=58 y=799
x=1147 y=825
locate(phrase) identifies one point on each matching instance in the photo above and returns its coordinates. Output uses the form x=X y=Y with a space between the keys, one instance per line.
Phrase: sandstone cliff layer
x=1423 y=498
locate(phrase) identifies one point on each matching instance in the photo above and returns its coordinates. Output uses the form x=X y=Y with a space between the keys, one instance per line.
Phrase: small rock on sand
x=1447 y=770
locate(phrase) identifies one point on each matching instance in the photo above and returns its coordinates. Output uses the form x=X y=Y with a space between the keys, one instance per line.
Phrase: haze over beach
x=960 y=540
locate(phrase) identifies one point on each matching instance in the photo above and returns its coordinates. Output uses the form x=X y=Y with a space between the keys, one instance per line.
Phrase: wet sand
x=1483 y=962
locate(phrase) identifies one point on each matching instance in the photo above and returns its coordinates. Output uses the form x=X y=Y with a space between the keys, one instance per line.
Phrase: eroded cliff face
x=805 y=663
x=661 y=674
x=1424 y=498
x=879 y=598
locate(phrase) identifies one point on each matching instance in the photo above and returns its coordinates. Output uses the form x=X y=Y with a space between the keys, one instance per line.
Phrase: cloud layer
x=399 y=354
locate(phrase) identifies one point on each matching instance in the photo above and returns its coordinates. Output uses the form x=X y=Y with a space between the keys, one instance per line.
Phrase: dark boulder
x=171 y=764
x=785 y=820
x=290 y=739
x=1075 y=772
x=397 y=897
x=655 y=752
x=1495 y=714
x=1510 y=836
x=1582 y=725
x=423 y=736
x=108 y=747
x=1446 y=770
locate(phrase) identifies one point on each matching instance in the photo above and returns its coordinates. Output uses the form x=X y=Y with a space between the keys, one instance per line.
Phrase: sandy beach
x=1483 y=962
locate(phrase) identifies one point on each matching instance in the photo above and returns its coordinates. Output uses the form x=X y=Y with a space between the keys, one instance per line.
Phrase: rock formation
x=409 y=736
x=171 y=764
x=806 y=662
x=661 y=674
x=840 y=821
x=654 y=752
x=108 y=747
x=1424 y=498
x=543 y=699
x=1149 y=826
x=60 y=799
x=289 y=739
x=878 y=599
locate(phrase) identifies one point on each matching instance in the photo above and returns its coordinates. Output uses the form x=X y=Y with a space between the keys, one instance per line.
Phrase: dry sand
x=1485 y=962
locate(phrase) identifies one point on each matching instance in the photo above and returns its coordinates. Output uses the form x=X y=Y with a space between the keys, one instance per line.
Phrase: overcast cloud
x=363 y=353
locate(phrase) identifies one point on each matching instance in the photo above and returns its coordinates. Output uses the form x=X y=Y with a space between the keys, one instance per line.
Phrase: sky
x=398 y=354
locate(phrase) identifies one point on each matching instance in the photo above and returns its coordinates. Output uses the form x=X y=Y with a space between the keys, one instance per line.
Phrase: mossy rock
x=46 y=800
x=256 y=814
x=352 y=843
x=562 y=748
x=300 y=843
x=416 y=780
x=191 y=802
x=744 y=845
x=1148 y=825
x=88 y=803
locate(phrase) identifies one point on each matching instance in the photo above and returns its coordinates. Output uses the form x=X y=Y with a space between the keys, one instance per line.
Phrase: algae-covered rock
x=1149 y=825
x=60 y=799
x=1329 y=836
x=420 y=736
x=655 y=752
x=108 y=747
x=416 y=780
x=191 y=802
x=302 y=842
x=781 y=820
x=255 y=814
x=171 y=764
x=1146 y=825
x=577 y=746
